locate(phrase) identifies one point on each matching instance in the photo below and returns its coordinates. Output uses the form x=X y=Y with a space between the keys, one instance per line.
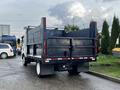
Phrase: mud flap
x=47 y=69
x=83 y=67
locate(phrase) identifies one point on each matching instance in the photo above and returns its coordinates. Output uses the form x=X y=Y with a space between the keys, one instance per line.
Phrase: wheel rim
x=4 y=56
x=38 y=68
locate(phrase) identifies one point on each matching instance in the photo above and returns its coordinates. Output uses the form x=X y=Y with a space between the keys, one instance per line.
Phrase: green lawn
x=107 y=64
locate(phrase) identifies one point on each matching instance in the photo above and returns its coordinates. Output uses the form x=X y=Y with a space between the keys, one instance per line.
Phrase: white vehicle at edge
x=6 y=50
x=24 y=47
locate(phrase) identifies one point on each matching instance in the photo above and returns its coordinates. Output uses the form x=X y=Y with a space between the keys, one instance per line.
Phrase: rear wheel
x=38 y=69
x=4 y=55
x=24 y=61
x=73 y=71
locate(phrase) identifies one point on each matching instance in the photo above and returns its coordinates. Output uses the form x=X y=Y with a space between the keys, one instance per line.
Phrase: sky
x=20 y=13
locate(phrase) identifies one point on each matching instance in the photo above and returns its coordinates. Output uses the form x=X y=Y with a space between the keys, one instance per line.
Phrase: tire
x=24 y=62
x=73 y=71
x=4 y=55
x=38 y=69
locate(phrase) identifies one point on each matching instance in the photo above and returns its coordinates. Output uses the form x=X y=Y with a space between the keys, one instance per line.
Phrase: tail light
x=97 y=49
x=45 y=48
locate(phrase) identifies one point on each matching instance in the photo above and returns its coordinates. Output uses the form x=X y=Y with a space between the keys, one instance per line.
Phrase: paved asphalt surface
x=13 y=76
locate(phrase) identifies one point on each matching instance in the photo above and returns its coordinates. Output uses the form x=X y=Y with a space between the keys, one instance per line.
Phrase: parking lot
x=13 y=76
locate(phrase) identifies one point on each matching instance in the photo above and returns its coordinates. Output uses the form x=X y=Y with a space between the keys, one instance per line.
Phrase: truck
x=56 y=50
x=10 y=40
x=4 y=29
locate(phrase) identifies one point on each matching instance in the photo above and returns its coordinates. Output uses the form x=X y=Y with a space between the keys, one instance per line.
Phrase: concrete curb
x=104 y=76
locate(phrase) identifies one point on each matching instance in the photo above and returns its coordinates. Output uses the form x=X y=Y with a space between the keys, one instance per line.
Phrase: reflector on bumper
x=80 y=58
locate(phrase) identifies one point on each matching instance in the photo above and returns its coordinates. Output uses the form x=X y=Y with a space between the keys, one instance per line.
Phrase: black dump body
x=81 y=43
x=57 y=50
x=54 y=43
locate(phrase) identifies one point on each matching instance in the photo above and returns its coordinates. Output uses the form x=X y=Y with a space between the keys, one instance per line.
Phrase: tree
x=119 y=37
x=114 y=33
x=70 y=28
x=105 y=38
x=119 y=40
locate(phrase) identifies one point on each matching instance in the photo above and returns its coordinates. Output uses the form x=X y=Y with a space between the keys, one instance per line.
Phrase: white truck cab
x=24 y=47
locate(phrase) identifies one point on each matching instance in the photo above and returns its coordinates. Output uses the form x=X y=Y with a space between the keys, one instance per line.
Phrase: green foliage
x=107 y=64
x=105 y=38
x=70 y=28
x=114 y=33
x=119 y=39
x=106 y=59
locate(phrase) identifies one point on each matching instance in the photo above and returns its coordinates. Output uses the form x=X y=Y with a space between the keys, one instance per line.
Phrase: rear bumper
x=67 y=61
x=54 y=61
x=11 y=54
